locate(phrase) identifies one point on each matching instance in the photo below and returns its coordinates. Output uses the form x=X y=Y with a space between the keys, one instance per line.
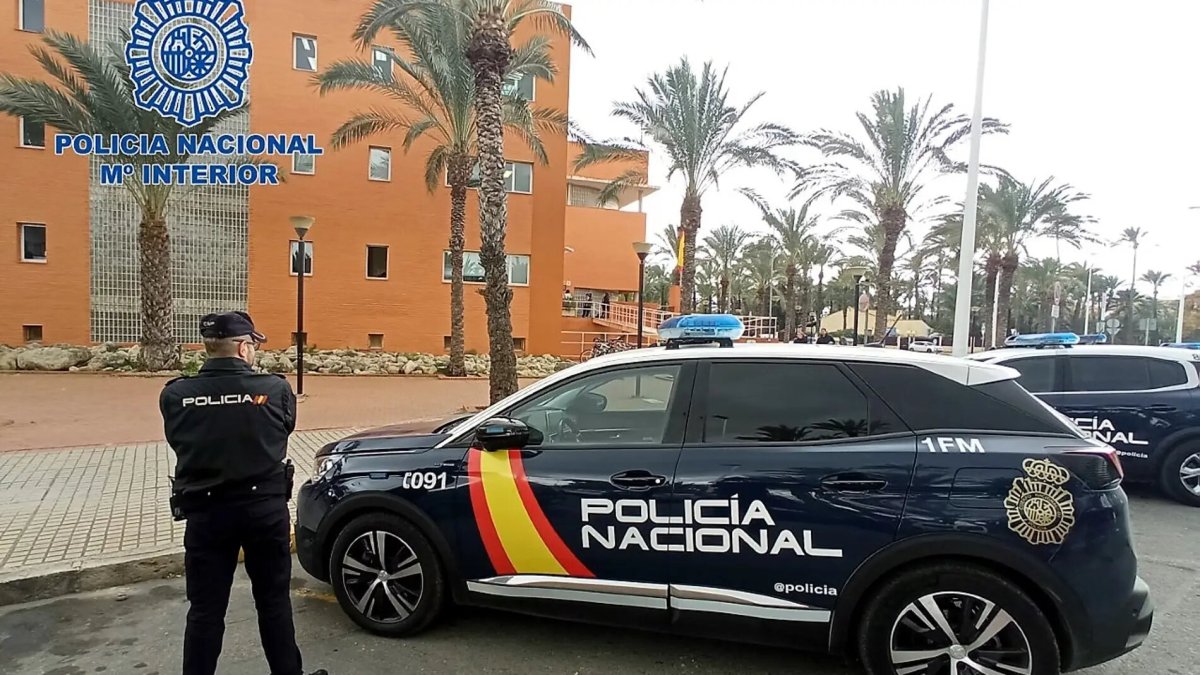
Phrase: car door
x=1130 y=402
x=791 y=475
x=549 y=531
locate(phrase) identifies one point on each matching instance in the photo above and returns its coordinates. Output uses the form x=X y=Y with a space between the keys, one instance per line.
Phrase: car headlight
x=327 y=465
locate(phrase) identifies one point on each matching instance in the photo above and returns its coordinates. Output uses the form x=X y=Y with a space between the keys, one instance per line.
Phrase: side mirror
x=501 y=433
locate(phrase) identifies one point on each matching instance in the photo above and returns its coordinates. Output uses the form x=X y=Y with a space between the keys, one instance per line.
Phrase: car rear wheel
x=954 y=619
x=1180 y=474
x=386 y=575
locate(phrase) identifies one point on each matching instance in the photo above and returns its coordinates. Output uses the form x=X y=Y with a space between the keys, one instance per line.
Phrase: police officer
x=229 y=428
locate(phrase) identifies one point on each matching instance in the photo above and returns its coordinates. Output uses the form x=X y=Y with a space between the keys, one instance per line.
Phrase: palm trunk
x=1008 y=270
x=820 y=294
x=789 y=312
x=689 y=216
x=159 y=351
x=723 y=296
x=893 y=226
x=490 y=54
x=459 y=175
x=991 y=268
x=1131 y=329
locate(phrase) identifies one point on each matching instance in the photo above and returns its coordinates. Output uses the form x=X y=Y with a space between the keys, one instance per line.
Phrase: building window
x=381 y=164
x=33 y=134
x=521 y=85
x=304 y=164
x=518 y=177
x=518 y=268
x=375 y=341
x=304 y=50
x=308 y=258
x=519 y=344
x=32 y=333
x=33 y=243
x=377 y=262
x=580 y=195
x=381 y=57
x=33 y=15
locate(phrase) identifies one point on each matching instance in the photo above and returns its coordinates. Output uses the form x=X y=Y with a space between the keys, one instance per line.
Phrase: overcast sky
x=1101 y=94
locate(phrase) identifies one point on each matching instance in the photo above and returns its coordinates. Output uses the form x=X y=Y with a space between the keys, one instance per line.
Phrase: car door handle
x=637 y=479
x=853 y=482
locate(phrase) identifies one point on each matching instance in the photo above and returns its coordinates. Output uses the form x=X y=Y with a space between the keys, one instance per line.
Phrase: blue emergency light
x=1043 y=340
x=1184 y=345
x=691 y=329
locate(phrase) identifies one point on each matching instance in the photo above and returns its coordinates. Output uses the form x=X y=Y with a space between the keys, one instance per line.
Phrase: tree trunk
x=689 y=216
x=159 y=351
x=1008 y=270
x=820 y=294
x=459 y=174
x=490 y=54
x=892 y=220
x=991 y=268
x=1131 y=329
x=789 y=312
x=723 y=293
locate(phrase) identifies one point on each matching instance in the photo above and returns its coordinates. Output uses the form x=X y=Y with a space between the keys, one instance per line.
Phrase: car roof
x=959 y=370
x=1167 y=353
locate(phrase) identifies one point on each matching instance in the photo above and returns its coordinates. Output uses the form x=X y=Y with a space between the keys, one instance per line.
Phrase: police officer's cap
x=230 y=325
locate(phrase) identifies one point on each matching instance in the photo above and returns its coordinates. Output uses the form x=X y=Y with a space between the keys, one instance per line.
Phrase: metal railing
x=583 y=345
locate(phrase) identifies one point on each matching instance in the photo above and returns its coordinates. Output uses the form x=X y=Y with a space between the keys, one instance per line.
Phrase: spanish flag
x=679 y=254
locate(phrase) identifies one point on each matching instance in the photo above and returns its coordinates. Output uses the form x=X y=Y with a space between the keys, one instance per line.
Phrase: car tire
x=899 y=620
x=411 y=596
x=1171 y=474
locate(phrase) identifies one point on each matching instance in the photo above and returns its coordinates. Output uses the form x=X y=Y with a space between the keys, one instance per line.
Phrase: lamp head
x=642 y=249
x=302 y=224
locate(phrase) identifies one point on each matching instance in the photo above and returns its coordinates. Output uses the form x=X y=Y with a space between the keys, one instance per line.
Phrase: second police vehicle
x=922 y=514
x=1143 y=401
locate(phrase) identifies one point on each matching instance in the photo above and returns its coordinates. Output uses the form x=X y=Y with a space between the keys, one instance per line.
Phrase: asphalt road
x=138 y=630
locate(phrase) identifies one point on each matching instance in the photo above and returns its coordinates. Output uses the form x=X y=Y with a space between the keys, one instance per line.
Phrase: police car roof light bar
x=1043 y=340
x=701 y=329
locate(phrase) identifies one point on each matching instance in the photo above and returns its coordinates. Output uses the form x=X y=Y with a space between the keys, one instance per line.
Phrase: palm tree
x=658 y=283
x=1134 y=237
x=690 y=114
x=762 y=267
x=888 y=176
x=794 y=235
x=823 y=254
x=725 y=247
x=1156 y=280
x=94 y=95
x=437 y=91
x=1018 y=212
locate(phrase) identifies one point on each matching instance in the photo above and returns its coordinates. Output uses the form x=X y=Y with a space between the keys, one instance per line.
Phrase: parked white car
x=926 y=346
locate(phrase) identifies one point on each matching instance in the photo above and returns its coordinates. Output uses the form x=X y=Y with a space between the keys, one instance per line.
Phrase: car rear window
x=1167 y=373
x=1124 y=373
x=927 y=401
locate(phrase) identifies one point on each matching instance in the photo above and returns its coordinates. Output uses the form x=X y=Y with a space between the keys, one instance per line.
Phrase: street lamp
x=1182 y=308
x=642 y=249
x=302 y=224
x=858 y=272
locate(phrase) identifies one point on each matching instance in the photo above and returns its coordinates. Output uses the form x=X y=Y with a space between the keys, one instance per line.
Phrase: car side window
x=782 y=402
x=1167 y=373
x=617 y=407
x=1037 y=373
x=1119 y=373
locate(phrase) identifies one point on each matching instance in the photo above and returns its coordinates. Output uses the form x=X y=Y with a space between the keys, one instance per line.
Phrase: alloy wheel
x=951 y=633
x=1189 y=473
x=382 y=576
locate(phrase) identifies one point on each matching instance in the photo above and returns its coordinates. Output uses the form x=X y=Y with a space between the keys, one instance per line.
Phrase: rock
x=393 y=369
x=8 y=359
x=411 y=367
x=53 y=358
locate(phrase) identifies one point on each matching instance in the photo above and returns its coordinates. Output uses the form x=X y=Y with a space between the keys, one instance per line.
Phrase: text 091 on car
x=918 y=513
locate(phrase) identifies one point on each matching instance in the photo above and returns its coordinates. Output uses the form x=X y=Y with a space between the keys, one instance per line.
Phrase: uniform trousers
x=211 y=542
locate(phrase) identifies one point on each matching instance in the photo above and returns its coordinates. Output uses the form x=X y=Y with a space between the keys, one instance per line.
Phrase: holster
x=174 y=501
x=289 y=474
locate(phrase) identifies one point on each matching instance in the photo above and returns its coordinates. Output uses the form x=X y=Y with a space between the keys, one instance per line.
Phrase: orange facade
x=409 y=307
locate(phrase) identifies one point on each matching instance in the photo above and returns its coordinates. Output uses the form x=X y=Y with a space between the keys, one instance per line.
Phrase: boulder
x=411 y=367
x=53 y=358
x=8 y=359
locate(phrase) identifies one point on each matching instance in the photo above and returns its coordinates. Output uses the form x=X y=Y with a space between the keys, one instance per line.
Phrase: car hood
x=406 y=436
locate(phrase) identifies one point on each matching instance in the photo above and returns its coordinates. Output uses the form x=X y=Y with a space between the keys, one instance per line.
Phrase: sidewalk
x=83 y=518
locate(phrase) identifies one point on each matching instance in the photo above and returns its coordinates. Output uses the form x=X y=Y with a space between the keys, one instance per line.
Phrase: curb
x=62 y=580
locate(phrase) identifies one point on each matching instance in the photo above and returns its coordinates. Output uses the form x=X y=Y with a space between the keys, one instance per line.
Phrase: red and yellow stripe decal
x=518 y=537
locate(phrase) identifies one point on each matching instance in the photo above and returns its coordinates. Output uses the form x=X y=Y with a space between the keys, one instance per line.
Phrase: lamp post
x=1182 y=308
x=642 y=249
x=302 y=224
x=858 y=273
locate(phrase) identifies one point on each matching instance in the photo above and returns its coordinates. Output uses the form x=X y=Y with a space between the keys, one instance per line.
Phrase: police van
x=1143 y=401
x=921 y=513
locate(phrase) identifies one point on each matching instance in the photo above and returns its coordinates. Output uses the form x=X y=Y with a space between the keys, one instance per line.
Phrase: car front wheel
x=386 y=575
x=1180 y=477
x=955 y=619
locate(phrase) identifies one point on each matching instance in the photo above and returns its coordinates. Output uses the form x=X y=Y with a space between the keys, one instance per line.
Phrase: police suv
x=922 y=513
x=1143 y=401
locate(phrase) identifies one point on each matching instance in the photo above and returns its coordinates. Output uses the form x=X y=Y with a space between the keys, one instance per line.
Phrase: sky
x=1100 y=94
